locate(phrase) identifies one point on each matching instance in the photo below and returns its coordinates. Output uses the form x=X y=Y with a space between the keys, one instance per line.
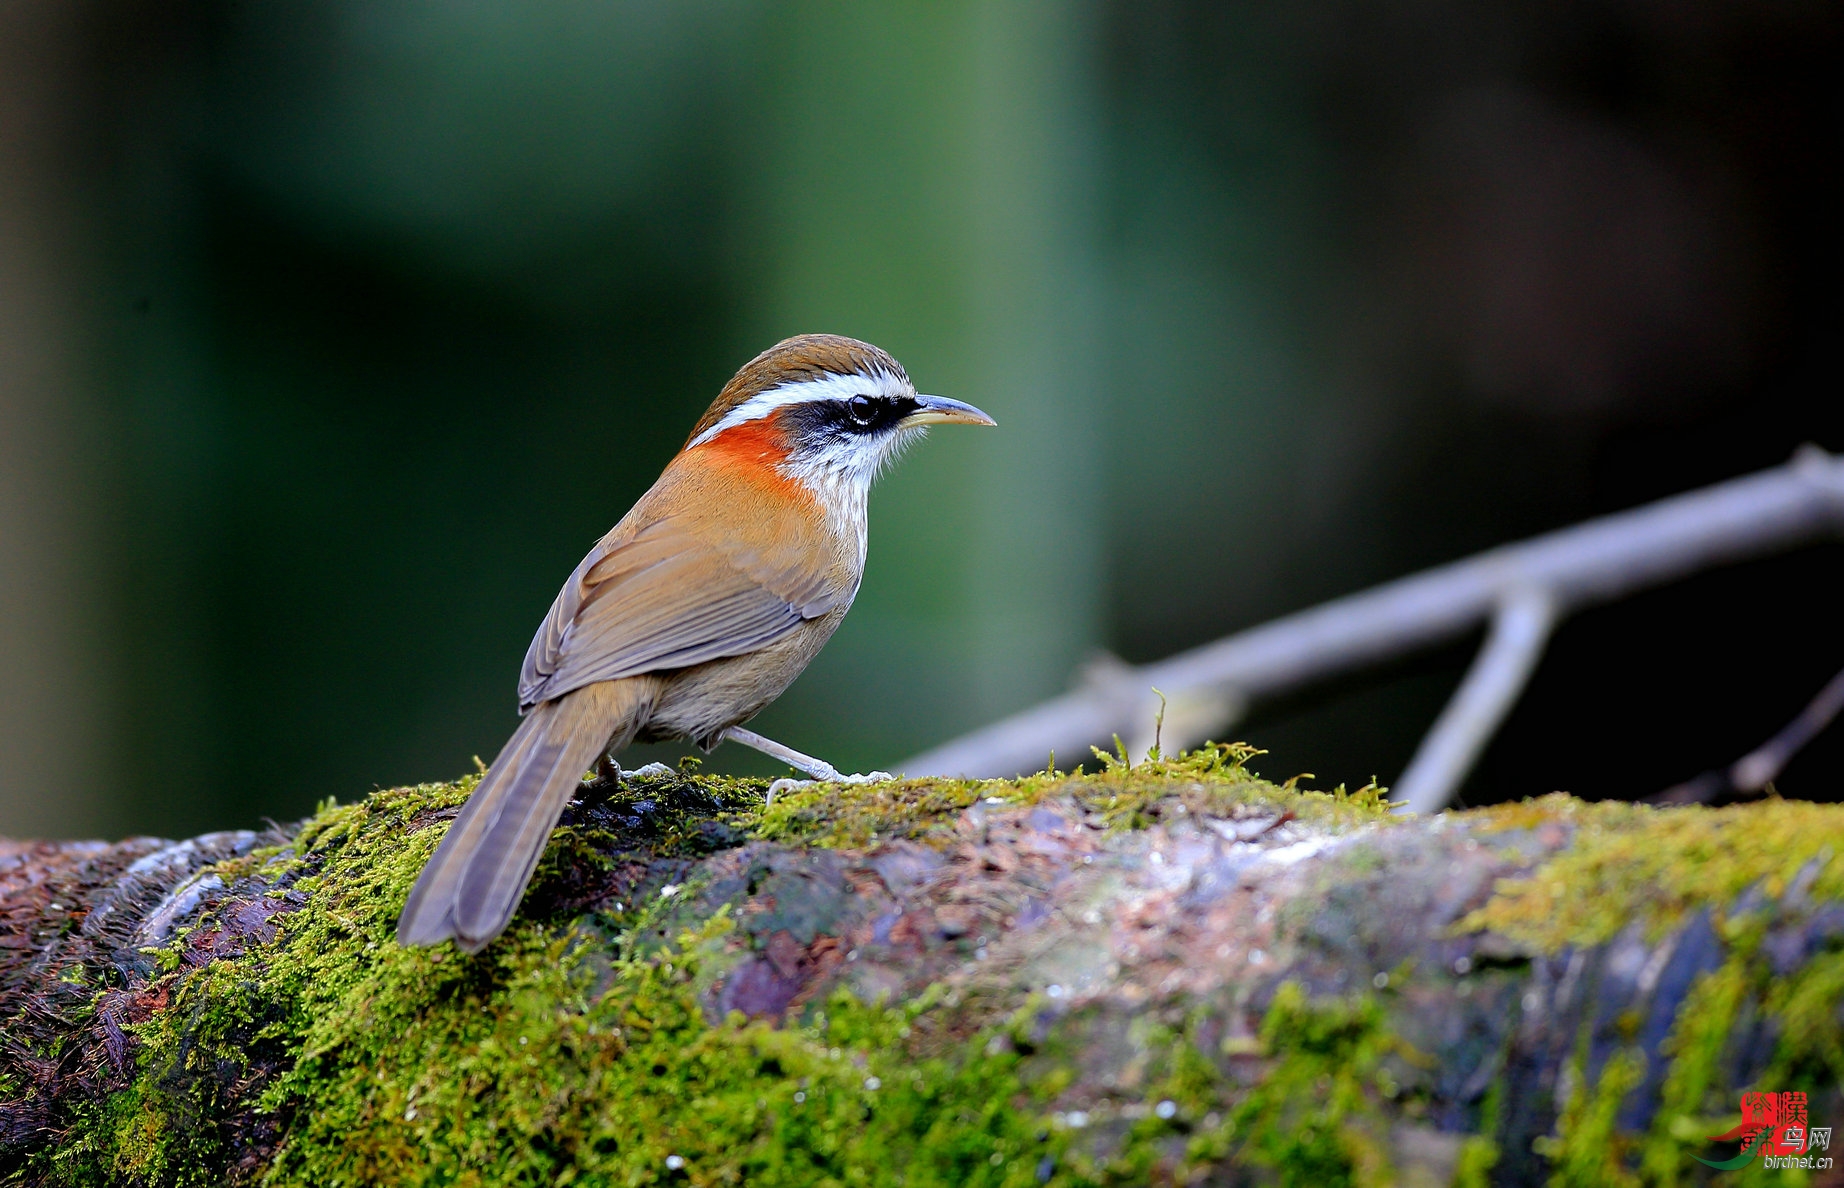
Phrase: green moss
x=1806 y=1011
x=1809 y=1008
x=1588 y=1151
x=1623 y=862
x=578 y=1048
x=1696 y=1100
x=557 y=1049
x=1689 y=1104
x=1479 y=1152
x=571 y=1051
x=1213 y=779
x=1666 y=862
x=1316 y=1118
x=541 y=1080
x=1478 y=1156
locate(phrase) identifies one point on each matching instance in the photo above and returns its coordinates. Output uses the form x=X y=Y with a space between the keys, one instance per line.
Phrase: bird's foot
x=784 y=785
x=601 y=785
x=819 y=769
x=609 y=776
x=835 y=777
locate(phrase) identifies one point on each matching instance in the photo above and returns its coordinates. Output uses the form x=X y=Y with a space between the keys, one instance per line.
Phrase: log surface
x=1171 y=973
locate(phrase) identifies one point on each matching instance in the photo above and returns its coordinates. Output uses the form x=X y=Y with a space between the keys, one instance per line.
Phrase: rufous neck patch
x=761 y=442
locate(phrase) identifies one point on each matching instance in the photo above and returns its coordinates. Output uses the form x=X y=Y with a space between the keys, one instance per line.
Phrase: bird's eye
x=861 y=409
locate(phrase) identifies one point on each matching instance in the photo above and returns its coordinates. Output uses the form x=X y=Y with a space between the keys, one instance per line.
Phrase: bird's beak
x=939 y=410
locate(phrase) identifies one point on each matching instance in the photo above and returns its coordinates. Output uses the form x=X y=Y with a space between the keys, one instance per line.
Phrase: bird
x=693 y=613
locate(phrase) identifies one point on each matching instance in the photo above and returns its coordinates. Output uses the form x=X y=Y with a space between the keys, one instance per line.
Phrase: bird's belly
x=703 y=701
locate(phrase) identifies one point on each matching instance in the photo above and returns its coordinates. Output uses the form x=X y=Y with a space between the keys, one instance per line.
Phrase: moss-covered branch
x=1148 y=975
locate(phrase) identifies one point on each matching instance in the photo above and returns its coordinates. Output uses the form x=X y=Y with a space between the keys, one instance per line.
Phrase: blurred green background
x=333 y=333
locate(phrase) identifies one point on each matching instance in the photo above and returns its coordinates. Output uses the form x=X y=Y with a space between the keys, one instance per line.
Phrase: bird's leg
x=605 y=777
x=819 y=769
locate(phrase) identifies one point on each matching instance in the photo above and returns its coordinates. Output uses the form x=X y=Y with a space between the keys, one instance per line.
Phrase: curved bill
x=939 y=410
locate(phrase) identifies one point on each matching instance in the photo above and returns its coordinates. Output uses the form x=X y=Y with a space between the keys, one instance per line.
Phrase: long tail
x=474 y=881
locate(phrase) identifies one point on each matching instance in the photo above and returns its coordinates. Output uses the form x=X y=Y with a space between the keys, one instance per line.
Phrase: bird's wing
x=666 y=598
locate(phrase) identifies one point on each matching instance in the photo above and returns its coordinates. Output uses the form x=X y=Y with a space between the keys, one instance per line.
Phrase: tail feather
x=474 y=881
x=428 y=914
x=509 y=848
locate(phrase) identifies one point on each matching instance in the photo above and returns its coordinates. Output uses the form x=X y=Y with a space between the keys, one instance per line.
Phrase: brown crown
x=803 y=357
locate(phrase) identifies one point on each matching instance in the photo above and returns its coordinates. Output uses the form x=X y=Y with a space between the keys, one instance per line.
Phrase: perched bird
x=693 y=613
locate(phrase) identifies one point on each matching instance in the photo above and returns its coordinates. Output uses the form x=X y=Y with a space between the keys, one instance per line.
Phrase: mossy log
x=1169 y=973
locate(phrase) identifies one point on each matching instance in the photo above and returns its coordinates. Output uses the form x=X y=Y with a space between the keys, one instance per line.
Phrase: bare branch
x=1759 y=767
x=1519 y=630
x=1594 y=562
x=1755 y=770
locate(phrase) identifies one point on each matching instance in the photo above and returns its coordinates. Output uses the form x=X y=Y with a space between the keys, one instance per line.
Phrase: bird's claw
x=781 y=785
x=831 y=776
x=609 y=776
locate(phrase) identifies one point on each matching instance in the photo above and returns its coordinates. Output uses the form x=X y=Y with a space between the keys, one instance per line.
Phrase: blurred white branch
x=1519 y=630
x=1524 y=588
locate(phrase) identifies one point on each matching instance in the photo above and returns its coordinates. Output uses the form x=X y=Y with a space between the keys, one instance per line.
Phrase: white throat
x=841 y=475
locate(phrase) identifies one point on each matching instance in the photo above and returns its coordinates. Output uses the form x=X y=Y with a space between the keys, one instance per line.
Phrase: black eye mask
x=862 y=416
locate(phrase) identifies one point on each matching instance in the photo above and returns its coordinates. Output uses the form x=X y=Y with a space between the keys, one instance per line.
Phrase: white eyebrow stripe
x=829 y=386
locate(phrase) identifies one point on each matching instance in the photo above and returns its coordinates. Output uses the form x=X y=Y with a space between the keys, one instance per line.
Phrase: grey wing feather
x=622 y=626
x=542 y=657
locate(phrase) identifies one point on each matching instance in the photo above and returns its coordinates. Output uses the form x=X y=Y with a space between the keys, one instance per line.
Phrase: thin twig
x=1594 y=562
x=1760 y=767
